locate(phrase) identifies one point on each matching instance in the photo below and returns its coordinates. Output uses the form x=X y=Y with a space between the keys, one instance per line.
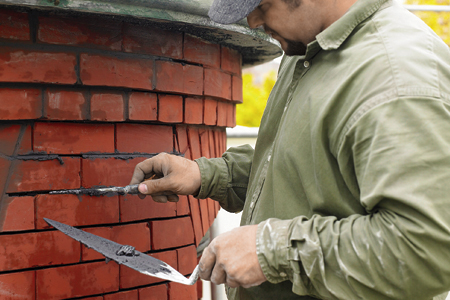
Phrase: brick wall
x=83 y=99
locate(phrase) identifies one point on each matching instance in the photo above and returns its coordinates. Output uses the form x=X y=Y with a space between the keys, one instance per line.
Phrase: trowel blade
x=140 y=262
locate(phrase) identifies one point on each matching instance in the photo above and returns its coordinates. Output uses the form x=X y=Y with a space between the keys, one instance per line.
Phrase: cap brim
x=231 y=11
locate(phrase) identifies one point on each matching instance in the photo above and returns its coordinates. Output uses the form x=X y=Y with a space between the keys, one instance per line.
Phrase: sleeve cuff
x=272 y=248
x=214 y=178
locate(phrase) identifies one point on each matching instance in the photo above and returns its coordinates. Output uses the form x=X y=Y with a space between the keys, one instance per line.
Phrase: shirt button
x=306 y=64
x=282 y=274
x=252 y=204
x=268 y=159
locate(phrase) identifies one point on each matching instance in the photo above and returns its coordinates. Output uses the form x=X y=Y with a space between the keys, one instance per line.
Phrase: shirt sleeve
x=225 y=179
x=399 y=152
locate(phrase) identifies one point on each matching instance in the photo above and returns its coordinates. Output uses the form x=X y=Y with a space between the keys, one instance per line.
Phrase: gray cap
x=231 y=11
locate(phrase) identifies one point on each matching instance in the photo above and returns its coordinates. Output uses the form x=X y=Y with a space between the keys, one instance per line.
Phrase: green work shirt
x=350 y=177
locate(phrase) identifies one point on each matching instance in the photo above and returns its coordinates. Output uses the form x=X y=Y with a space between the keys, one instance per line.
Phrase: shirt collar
x=333 y=36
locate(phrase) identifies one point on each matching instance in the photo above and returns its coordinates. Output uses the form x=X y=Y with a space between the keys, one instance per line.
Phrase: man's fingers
x=168 y=175
x=161 y=186
x=141 y=171
x=160 y=198
x=147 y=168
x=218 y=275
x=207 y=263
x=173 y=198
x=232 y=284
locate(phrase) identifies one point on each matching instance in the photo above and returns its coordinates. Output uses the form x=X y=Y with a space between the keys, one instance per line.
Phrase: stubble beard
x=294 y=48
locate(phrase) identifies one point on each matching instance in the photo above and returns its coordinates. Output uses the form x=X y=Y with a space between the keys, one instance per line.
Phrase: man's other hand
x=174 y=175
x=231 y=258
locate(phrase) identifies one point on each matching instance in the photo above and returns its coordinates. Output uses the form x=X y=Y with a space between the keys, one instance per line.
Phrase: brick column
x=83 y=99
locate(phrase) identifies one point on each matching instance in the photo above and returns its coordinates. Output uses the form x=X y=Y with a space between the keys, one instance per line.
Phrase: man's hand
x=231 y=258
x=175 y=176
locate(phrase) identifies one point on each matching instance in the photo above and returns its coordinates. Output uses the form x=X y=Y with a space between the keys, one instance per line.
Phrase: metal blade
x=129 y=189
x=140 y=262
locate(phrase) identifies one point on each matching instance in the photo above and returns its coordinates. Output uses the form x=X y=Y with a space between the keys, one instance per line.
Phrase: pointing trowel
x=121 y=190
x=126 y=255
x=129 y=189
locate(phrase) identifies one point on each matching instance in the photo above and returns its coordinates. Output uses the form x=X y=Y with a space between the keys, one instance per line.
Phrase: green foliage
x=250 y=112
x=438 y=21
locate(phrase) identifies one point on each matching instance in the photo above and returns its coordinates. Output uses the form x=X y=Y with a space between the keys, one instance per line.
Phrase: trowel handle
x=132 y=189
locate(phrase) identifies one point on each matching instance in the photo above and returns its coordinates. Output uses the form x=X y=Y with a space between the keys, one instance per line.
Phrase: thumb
x=157 y=186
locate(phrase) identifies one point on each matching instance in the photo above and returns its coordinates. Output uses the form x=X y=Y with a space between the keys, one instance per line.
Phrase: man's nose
x=254 y=19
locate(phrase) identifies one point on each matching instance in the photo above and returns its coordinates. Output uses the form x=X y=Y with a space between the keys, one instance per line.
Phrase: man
x=347 y=193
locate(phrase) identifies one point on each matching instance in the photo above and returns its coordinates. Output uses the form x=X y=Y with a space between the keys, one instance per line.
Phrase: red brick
x=18 y=286
x=179 y=291
x=194 y=142
x=222 y=110
x=9 y=137
x=77 y=280
x=136 y=235
x=25 y=66
x=150 y=40
x=107 y=171
x=187 y=259
x=73 y=138
x=211 y=211
x=183 y=206
x=233 y=124
x=119 y=72
x=204 y=142
x=14 y=25
x=217 y=141
x=193 y=111
x=210 y=111
x=31 y=175
x=132 y=208
x=237 y=89
x=170 y=109
x=29 y=250
x=182 y=139
x=179 y=78
x=76 y=210
x=231 y=114
x=6 y=169
x=131 y=138
x=157 y=292
x=143 y=106
x=199 y=285
x=224 y=141
x=216 y=208
x=107 y=107
x=65 y=105
x=212 y=144
x=204 y=214
x=231 y=61
x=18 y=213
x=217 y=84
x=80 y=31
x=127 y=295
x=130 y=278
x=196 y=50
x=172 y=233
x=20 y=104
x=196 y=219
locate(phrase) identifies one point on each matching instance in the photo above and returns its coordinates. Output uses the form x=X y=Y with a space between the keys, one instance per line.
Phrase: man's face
x=294 y=23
